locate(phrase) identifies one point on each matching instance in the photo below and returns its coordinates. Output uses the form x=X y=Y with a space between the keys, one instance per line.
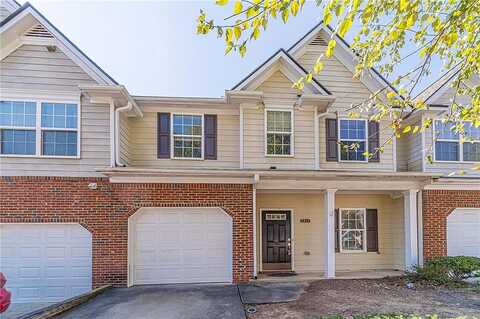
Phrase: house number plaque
x=276 y=216
x=305 y=220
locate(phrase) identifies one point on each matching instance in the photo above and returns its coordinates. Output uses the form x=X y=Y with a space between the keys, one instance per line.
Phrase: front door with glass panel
x=276 y=240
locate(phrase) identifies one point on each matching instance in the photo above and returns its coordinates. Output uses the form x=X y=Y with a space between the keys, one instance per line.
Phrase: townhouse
x=103 y=187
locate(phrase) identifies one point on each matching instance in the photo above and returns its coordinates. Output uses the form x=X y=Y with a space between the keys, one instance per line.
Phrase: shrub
x=445 y=270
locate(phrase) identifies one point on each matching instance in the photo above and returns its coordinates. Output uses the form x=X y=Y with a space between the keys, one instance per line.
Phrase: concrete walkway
x=271 y=292
x=163 y=301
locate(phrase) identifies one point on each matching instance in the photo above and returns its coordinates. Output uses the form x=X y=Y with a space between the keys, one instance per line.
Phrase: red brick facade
x=105 y=211
x=437 y=205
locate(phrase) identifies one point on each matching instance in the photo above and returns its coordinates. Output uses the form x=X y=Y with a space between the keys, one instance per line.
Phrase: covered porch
x=334 y=225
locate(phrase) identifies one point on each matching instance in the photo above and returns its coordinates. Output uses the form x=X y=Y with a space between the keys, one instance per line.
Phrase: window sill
x=185 y=158
x=347 y=161
x=353 y=252
x=454 y=162
x=279 y=156
x=37 y=156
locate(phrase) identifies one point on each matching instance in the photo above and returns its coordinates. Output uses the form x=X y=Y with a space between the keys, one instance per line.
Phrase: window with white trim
x=38 y=129
x=448 y=144
x=17 y=128
x=353 y=232
x=187 y=135
x=279 y=133
x=353 y=139
x=59 y=129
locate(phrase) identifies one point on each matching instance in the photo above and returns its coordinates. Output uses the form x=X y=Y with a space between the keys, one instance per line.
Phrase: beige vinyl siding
x=94 y=150
x=125 y=139
x=143 y=132
x=32 y=67
x=308 y=241
x=414 y=151
x=390 y=233
x=278 y=94
x=402 y=154
x=347 y=91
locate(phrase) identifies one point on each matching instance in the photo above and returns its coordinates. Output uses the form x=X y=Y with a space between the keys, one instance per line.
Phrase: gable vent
x=318 y=40
x=38 y=31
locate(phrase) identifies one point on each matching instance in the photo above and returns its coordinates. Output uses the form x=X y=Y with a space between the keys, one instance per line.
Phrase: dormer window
x=279 y=133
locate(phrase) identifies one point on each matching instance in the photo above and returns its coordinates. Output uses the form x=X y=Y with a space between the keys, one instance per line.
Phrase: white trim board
x=63 y=43
x=253 y=80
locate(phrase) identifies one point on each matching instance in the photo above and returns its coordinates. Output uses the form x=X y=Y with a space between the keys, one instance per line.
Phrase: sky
x=152 y=48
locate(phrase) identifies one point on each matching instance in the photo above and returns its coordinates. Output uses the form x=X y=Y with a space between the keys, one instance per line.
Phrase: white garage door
x=463 y=232
x=181 y=245
x=45 y=262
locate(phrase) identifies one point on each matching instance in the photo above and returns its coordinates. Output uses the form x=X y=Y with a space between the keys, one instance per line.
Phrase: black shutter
x=374 y=141
x=332 y=140
x=337 y=231
x=372 y=230
x=210 y=150
x=163 y=135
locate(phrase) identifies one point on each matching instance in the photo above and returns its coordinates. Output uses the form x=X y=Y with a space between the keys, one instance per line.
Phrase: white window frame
x=364 y=230
x=38 y=125
x=172 y=146
x=351 y=140
x=460 y=145
x=292 y=132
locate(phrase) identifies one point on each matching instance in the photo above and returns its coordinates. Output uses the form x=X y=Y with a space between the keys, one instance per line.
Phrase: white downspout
x=112 y=134
x=125 y=108
x=256 y=179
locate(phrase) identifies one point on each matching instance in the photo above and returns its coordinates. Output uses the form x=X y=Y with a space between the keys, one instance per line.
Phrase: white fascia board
x=250 y=82
x=112 y=91
x=345 y=55
x=64 y=44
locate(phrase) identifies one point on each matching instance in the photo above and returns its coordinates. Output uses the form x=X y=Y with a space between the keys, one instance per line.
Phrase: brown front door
x=276 y=240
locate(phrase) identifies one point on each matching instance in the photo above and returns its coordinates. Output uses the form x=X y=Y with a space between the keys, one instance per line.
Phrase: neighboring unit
x=102 y=187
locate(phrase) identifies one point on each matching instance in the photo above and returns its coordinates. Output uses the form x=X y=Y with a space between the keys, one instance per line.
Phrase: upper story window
x=17 y=128
x=38 y=129
x=353 y=140
x=448 y=146
x=353 y=229
x=59 y=129
x=279 y=133
x=187 y=136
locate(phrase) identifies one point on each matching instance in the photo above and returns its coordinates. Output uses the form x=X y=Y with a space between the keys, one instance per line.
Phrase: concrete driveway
x=163 y=302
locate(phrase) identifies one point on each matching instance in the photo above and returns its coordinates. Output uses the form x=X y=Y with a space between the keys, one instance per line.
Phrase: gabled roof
x=10 y=5
x=283 y=55
x=68 y=47
x=435 y=90
x=345 y=54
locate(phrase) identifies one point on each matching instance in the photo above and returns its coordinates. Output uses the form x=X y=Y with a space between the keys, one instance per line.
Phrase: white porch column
x=411 y=229
x=329 y=202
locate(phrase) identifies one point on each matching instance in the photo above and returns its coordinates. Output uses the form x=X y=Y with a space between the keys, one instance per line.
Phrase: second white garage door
x=180 y=245
x=463 y=232
x=45 y=262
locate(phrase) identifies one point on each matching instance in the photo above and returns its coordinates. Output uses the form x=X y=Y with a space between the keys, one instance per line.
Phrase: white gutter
x=125 y=108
